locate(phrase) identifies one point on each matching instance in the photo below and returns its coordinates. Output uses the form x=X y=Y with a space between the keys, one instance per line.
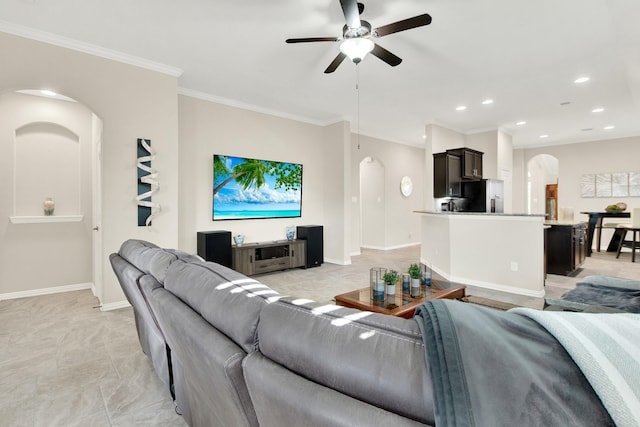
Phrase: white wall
x=208 y=128
x=400 y=225
x=505 y=167
x=486 y=142
x=372 y=203
x=45 y=151
x=575 y=160
x=133 y=103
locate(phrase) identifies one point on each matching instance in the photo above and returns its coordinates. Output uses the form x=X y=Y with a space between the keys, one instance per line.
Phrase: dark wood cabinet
x=257 y=258
x=471 y=168
x=566 y=248
x=446 y=175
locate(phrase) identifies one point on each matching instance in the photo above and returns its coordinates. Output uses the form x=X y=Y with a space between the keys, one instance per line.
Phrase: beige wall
x=208 y=128
x=400 y=226
x=139 y=103
x=575 y=160
x=45 y=150
x=133 y=103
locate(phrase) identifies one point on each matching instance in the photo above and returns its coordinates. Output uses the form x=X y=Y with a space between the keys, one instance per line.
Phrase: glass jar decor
x=406 y=283
x=426 y=275
x=376 y=282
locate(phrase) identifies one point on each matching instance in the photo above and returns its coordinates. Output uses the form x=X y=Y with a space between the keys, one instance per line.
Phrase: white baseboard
x=338 y=262
x=115 y=305
x=390 y=248
x=46 y=291
x=488 y=285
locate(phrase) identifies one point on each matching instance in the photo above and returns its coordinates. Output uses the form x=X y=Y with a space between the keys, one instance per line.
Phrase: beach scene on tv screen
x=246 y=188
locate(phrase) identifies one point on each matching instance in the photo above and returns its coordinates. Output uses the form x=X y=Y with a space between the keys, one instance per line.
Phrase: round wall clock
x=406 y=186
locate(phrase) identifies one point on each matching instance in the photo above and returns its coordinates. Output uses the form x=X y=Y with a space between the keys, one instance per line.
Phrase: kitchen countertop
x=557 y=222
x=477 y=213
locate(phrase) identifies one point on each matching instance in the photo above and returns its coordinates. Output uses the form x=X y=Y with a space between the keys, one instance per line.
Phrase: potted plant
x=390 y=279
x=415 y=273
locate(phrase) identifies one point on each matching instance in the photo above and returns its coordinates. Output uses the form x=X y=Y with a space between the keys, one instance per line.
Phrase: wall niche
x=47 y=164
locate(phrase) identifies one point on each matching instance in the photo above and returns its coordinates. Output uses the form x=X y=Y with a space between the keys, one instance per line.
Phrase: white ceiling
x=523 y=54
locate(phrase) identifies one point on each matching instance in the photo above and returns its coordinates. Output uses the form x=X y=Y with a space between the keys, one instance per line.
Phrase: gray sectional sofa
x=240 y=354
x=237 y=353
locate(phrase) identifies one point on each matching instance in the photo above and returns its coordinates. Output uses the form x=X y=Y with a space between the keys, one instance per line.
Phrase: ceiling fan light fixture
x=356 y=48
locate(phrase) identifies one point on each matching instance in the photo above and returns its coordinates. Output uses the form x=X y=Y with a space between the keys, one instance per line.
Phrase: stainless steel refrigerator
x=486 y=195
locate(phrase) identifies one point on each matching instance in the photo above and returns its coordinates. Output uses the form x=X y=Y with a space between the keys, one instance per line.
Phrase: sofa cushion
x=151 y=259
x=371 y=357
x=228 y=300
x=210 y=382
x=283 y=398
x=133 y=283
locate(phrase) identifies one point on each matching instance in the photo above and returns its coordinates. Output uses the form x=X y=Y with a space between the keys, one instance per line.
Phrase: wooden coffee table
x=401 y=305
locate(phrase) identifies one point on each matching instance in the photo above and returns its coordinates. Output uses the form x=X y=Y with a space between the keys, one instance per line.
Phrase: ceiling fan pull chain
x=358 y=101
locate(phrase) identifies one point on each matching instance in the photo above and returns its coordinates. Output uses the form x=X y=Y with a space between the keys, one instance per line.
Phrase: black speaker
x=215 y=246
x=314 y=245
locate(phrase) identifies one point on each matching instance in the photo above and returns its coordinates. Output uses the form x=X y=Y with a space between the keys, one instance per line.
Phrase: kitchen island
x=503 y=252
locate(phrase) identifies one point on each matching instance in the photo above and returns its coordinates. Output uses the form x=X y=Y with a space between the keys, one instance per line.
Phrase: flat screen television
x=246 y=188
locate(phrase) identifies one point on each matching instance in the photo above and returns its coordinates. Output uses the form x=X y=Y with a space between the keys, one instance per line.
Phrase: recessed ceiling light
x=521 y=123
x=461 y=108
x=48 y=92
x=424 y=136
x=581 y=80
x=487 y=102
x=597 y=110
x=608 y=127
x=544 y=136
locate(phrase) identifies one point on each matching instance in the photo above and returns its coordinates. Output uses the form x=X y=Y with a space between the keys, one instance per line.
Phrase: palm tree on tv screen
x=252 y=172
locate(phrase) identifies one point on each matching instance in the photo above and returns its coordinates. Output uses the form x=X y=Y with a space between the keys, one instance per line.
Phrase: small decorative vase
x=239 y=239
x=290 y=233
x=426 y=275
x=406 y=283
x=416 y=291
x=391 y=288
x=49 y=205
x=376 y=282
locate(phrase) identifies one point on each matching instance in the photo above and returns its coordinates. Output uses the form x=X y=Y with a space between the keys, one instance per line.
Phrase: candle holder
x=376 y=282
x=426 y=275
x=406 y=283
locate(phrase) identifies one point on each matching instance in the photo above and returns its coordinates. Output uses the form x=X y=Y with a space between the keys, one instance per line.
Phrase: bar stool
x=633 y=244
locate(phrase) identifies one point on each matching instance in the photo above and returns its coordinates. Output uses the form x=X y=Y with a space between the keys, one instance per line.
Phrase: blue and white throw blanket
x=606 y=348
x=531 y=368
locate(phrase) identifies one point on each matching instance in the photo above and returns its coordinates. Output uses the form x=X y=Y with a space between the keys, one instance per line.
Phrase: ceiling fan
x=357 y=35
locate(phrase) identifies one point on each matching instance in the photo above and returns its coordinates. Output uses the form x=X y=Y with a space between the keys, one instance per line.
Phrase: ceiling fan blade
x=334 y=64
x=405 y=24
x=313 y=39
x=351 y=13
x=385 y=55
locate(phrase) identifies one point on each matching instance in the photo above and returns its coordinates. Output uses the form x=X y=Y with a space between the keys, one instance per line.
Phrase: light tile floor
x=63 y=362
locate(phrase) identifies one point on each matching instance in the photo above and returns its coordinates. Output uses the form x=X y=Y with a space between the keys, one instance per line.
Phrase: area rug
x=486 y=302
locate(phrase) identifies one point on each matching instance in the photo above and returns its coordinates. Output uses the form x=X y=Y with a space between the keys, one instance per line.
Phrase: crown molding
x=255 y=108
x=68 y=43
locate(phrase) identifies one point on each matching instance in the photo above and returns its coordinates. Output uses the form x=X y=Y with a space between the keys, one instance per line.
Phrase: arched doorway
x=49 y=147
x=542 y=185
x=372 y=203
